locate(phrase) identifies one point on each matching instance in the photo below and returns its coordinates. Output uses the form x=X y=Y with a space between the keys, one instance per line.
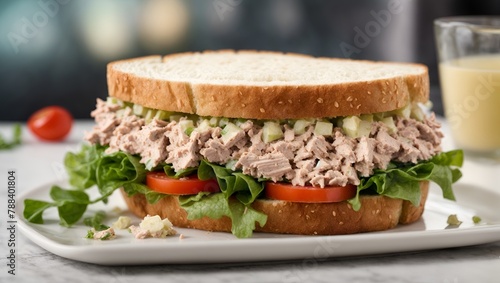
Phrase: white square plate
x=430 y=232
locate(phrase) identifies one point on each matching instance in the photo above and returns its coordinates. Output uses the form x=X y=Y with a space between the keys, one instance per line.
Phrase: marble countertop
x=37 y=163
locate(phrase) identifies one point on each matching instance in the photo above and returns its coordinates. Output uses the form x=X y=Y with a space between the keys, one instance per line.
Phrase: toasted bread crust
x=255 y=101
x=377 y=213
x=157 y=94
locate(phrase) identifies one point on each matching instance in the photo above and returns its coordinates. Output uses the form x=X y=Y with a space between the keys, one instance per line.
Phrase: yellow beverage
x=471 y=96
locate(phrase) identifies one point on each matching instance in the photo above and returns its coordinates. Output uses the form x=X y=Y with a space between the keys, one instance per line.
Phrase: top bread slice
x=266 y=85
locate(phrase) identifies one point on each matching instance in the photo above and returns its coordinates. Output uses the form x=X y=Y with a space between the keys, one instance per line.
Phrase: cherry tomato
x=52 y=123
x=191 y=185
x=309 y=194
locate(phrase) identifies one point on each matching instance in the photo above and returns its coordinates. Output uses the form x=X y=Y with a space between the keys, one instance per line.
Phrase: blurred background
x=56 y=51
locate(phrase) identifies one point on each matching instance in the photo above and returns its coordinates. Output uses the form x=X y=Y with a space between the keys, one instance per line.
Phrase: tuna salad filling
x=306 y=152
x=387 y=154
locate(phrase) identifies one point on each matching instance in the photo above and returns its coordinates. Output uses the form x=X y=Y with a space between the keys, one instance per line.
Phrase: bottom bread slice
x=377 y=213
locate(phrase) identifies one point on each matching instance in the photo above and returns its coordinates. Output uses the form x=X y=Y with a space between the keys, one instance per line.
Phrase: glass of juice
x=469 y=71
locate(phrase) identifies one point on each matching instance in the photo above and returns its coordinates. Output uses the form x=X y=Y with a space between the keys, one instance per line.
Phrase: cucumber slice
x=162 y=115
x=187 y=126
x=355 y=127
x=389 y=122
x=365 y=128
x=214 y=122
x=379 y=116
x=300 y=126
x=350 y=125
x=149 y=165
x=367 y=117
x=175 y=118
x=417 y=113
x=240 y=121
x=229 y=132
x=204 y=126
x=323 y=128
x=231 y=164
x=149 y=115
x=223 y=122
x=114 y=100
x=403 y=112
x=122 y=112
x=271 y=132
x=139 y=110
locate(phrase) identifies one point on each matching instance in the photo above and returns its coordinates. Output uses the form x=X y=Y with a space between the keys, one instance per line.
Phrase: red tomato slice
x=51 y=123
x=191 y=185
x=309 y=194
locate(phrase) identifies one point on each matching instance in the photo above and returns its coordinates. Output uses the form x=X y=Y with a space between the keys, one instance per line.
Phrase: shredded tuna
x=386 y=144
x=285 y=148
x=271 y=165
x=154 y=142
x=237 y=139
x=219 y=151
x=302 y=154
x=324 y=165
x=300 y=159
x=257 y=145
x=247 y=126
x=106 y=122
x=106 y=234
x=318 y=146
x=344 y=146
x=215 y=151
x=289 y=134
x=183 y=149
x=336 y=178
x=306 y=164
x=364 y=156
x=205 y=135
x=317 y=179
x=126 y=135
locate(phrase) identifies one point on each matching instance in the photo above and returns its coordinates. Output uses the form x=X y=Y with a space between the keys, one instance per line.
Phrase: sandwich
x=244 y=141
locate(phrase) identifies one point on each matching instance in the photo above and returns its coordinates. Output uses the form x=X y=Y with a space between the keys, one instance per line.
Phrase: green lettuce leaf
x=195 y=203
x=151 y=196
x=117 y=169
x=238 y=191
x=245 y=188
x=170 y=171
x=33 y=210
x=16 y=138
x=71 y=204
x=215 y=206
x=90 y=166
x=70 y=213
x=81 y=166
x=402 y=180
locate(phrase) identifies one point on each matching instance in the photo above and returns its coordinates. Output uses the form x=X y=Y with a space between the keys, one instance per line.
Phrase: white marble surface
x=43 y=163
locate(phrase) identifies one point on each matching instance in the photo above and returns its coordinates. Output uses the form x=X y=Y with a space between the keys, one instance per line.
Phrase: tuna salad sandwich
x=244 y=141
